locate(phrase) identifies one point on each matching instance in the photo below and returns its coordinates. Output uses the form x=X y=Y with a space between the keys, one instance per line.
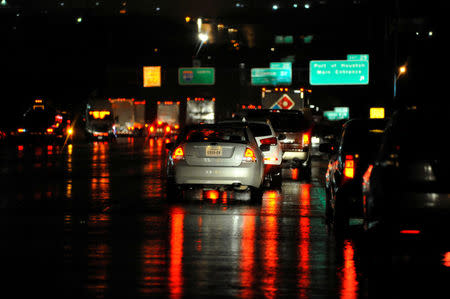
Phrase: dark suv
x=359 y=142
x=406 y=190
x=294 y=133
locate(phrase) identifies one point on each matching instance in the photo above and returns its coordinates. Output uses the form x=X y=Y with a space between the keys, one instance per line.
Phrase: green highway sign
x=330 y=115
x=271 y=76
x=281 y=65
x=337 y=114
x=196 y=76
x=342 y=109
x=364 y=57
x=338 y=72
x=284 y=39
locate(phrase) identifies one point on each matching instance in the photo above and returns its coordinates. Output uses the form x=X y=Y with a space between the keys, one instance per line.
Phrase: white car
x=219 y=157
x=264 y=133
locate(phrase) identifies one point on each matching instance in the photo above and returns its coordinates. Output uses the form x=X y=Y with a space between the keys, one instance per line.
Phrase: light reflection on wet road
x=93 y=219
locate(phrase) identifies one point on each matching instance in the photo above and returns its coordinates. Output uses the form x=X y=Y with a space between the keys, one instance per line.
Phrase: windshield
x=218 y=134
x=260 y=129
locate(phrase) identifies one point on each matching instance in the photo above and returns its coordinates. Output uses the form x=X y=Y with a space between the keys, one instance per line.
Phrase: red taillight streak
x=446 y=259
x=306 y=139
x=212 y=194
x=410 y=231
x=270 y=141
x=249 y=155
x=178 y=153
x=349 y=167
x=367 y=174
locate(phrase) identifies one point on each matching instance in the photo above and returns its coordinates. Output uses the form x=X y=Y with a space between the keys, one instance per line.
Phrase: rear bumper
x=296 y=159
x=246 y=174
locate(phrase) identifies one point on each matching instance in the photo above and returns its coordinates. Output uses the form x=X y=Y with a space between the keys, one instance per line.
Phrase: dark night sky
x=50 y=55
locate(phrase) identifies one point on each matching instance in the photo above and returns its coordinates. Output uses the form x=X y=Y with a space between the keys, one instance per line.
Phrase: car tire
x=276 y=179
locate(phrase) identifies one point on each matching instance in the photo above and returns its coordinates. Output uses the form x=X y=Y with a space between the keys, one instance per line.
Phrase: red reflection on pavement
x=446 y=259
x=99 y=257
x=100 y=183
x=305 y=199
x=349 y=286
x=271 y=202
x=247 y=256
x=176 y=252
x=154 y=258
x=270 y=245
x=304 y=272
x=294 y=174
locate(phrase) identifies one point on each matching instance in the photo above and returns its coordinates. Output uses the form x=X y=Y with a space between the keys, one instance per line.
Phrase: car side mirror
x=264 y=147
x=326 y=148
x=281 y=137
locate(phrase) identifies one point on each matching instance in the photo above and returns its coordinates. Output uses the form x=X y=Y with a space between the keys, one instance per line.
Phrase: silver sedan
x=218 y=157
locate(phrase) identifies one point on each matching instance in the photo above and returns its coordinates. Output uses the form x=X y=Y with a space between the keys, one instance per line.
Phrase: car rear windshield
x=362 y=141
x=283 y=122
x=259 y=130
x=217 y=134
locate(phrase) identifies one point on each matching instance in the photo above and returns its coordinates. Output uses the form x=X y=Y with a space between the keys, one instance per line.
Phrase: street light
x=401 y=71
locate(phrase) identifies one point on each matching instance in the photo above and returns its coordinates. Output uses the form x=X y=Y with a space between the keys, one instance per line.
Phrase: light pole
x=401 y=71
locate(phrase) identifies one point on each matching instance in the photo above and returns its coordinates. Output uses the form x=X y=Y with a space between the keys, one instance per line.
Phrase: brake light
x=152 y=129
x=21 y=130
x=349 y=167
x=49 y=130
x=178 y=153
x=367 y=174
x=410 y=231
x=305 y=139
x=270 y=141
x=159 y=122
x=167 y=129
x=70 y=131
x=249 y=155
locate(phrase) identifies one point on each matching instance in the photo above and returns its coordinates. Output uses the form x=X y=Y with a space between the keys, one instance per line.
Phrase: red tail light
x=249 y=155
x=367 y=174
x=410 y=231
x=349 y=167
x=152 y=129
x=306 y=139
x=178 y=153
x=270 y=141
x=50 y=130
x=167 y=129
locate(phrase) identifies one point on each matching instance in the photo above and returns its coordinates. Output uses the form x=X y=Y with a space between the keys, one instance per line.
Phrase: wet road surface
x=91 y=220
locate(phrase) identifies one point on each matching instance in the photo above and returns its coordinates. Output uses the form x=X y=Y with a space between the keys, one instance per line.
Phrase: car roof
x=250 y=121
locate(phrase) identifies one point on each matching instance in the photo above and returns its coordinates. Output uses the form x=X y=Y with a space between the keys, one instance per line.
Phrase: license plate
x=213 y=151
